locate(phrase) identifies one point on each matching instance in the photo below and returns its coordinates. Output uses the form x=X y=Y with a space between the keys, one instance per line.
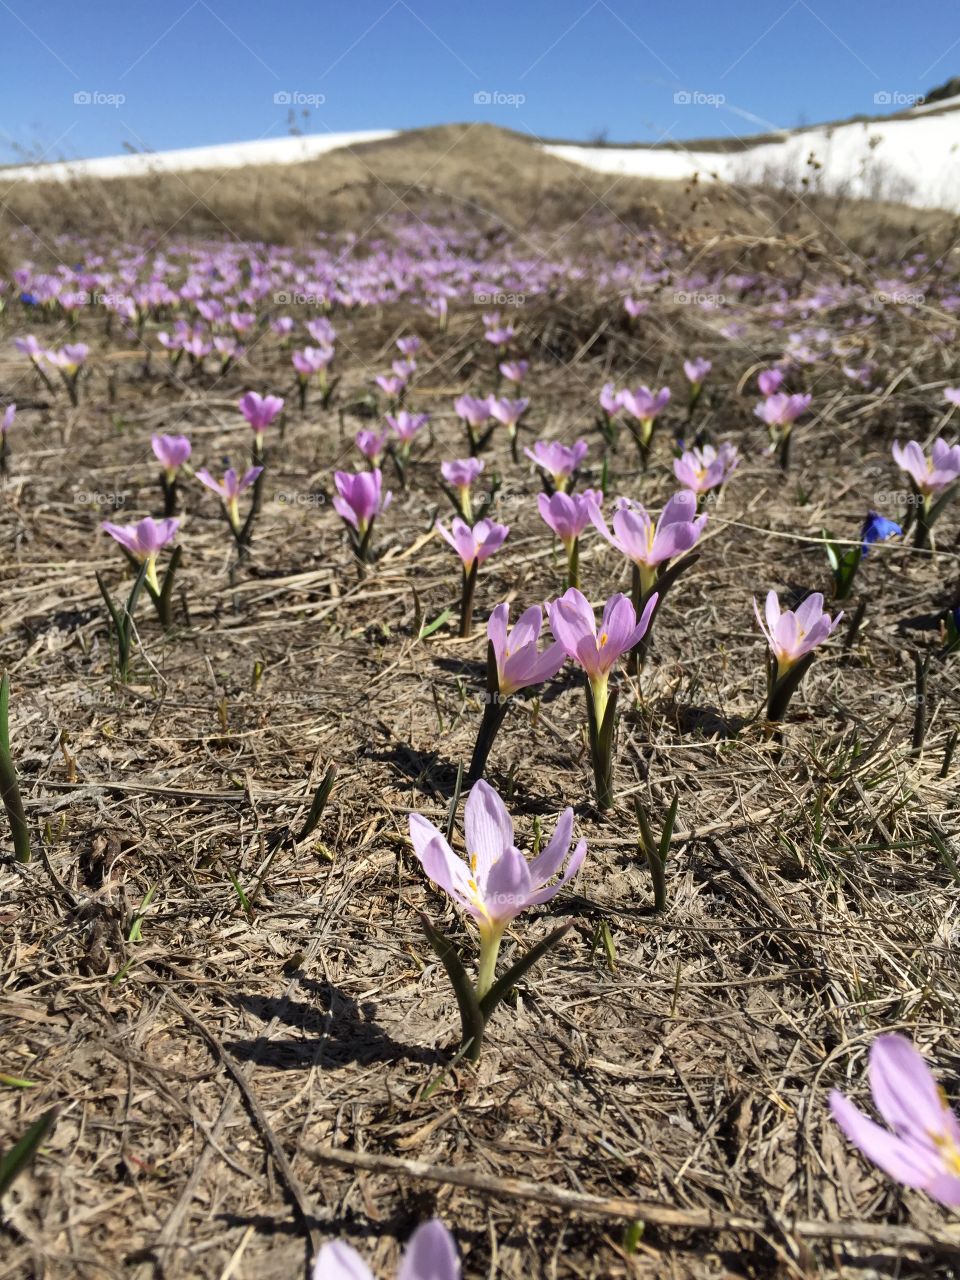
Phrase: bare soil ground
x=200 y=1068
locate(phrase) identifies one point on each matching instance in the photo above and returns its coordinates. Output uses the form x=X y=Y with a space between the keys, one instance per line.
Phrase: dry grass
x=475 y=173
x=199 y=1067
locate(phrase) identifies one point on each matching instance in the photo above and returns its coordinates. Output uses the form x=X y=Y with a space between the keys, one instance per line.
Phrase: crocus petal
x=903 y=1087
x=441 y=864
x=430 y=1255
x=894 y=1156
x=550 y=860
x=488 y=829
x=540 y=896
x=497 y=631
x=337 y=1261
x=507 y=889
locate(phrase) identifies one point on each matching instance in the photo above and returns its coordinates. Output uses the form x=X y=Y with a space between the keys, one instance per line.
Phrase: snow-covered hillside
x=913 y=158
x=287 y=150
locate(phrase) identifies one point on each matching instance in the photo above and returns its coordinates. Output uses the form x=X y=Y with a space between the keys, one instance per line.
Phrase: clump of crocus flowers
x=494 y=884
x=780 y=411
x=933 y=479
x=172 y=452
x=514 y=662
x=793 y=636
x=574 y=625
x=358 y=501
x=473 y=545
x=921 y=1147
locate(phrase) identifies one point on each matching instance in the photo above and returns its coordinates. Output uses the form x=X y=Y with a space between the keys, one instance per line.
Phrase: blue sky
x=182 y=73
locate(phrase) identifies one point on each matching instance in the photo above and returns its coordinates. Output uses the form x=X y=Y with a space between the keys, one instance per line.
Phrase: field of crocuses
x=477 y=752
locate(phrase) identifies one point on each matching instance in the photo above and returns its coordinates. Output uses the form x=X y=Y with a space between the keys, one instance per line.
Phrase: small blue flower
x=877 y=528
x=29 y=299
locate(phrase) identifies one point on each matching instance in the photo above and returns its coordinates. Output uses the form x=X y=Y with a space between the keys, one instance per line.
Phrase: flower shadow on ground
x=336 y=1031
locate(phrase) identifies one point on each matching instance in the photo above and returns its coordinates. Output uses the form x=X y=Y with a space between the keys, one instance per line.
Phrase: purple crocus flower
x=144 y=541
x=409 y=346
x=70 y=358
x=406 y=425
x=461 y=474
x=508 y=412
x=430 y=1255
x=514 y=370
x=260 y=411
x=568 y=514
x=931 y=475
x=921 y=1148
x=473 y=544
x=952 y=395
x=701 y=470
x=633 y=307
x=6 y=422
x=171 y=452
x=391 y=384
x=310 y=361
x=610 y=400
x=519 y=662
x=769 y=381
x=371 y=445
x=29 y=346
x=229 y=489
x=474 y=410
x=696 y=370
x=793 y=634
x=558 y=460
x=495 y=883
x=574 y=625
x=781 y=411
x=643 y=404
x=282 y=325
x=358 y=500
x=650 y=545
